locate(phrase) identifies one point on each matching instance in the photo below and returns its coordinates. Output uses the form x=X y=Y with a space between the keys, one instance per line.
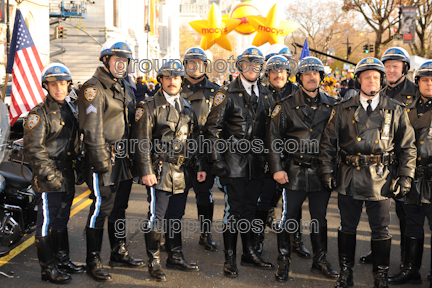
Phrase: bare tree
x=380 y=15
x=423 y=28
x=318 y=23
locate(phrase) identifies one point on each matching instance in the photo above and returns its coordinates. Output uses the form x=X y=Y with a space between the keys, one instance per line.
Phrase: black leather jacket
x=421 y=188
x=200 y=96
x=106 y=109
x=157 y=122
x=232 y=118
x=294 y=121
x=50 y=145
x=352 y=132
x=405 y=93
x=289 y=89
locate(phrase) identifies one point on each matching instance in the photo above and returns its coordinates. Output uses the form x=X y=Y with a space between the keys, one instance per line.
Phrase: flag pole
x=7 y=50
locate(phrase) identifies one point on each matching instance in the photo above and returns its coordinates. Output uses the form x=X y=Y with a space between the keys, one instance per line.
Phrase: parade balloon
x=272 y=28
x=240 y=12
x=215 y=29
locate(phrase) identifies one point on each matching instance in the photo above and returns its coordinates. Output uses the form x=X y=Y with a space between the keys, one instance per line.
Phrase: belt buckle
x=180 y=160
x=385 y=159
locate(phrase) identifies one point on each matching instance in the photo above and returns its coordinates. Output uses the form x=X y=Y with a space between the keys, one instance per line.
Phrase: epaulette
x=397 y=102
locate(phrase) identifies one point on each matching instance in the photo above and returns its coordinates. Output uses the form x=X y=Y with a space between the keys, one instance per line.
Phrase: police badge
x=219 y=98
x=138 y=114
x=32 y=120
x=90 y=93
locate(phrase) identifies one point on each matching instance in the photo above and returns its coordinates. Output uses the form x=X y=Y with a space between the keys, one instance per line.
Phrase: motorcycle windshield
x=4 y=131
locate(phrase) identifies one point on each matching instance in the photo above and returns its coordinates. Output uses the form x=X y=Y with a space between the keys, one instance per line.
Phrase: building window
x=146 y=16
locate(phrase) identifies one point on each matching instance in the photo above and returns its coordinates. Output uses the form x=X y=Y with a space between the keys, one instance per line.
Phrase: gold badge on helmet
x=370 y=60
x=254 y=52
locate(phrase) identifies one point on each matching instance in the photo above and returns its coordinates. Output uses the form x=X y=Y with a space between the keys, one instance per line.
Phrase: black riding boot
x=49 y=271
x=346 y=247
x=60 y=243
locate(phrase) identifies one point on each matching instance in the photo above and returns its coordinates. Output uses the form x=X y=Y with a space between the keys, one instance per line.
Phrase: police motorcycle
x=18 y=210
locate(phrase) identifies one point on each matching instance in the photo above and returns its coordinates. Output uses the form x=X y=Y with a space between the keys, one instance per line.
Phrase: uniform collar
x=248 y=86
x=375 y=101
x=105 y=78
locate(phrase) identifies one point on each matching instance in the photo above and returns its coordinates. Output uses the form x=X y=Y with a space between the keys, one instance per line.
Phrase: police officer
x=199 y=91
x=397 y=63
x=278 y=94
x=166 y=121
x=368 y=132
x=301 y=119
x=106 y=103
x=281 y=87
x=239 y=115
x=50 y=145
x=417 y=204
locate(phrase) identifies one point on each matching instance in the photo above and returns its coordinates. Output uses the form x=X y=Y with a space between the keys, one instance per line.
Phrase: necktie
x=254 y=98
x=177 y=106
x=369 y=107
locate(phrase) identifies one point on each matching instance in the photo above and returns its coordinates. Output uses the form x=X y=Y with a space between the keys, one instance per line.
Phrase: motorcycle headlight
x=2 y=183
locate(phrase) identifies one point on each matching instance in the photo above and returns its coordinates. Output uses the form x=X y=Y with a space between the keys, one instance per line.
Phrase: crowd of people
x=370 y=143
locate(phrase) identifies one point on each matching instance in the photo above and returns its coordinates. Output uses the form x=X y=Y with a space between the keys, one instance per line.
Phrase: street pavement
x=22 y=260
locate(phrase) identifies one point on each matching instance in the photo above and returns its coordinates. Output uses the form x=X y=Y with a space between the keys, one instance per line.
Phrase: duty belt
x=358 y=160
x=424 y=171
x=173 y=159
x=305 y=160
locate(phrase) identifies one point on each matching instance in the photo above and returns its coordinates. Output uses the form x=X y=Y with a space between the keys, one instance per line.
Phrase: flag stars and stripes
x=26 y=66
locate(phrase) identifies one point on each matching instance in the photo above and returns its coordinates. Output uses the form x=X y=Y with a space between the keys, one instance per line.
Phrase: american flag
x=25 y=65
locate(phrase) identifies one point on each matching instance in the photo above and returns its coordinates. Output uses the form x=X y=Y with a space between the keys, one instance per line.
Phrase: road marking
x=80 y=197
x=17 y=250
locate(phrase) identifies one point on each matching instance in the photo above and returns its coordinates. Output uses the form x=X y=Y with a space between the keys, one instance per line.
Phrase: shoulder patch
x=332 y=115
x=90 y=93
x=32 y=120
x=276 y=111
x=219 y=98
x=139 y=112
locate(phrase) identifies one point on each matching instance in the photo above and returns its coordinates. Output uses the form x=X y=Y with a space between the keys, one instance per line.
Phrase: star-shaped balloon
x=215 y=29
x=272 y=28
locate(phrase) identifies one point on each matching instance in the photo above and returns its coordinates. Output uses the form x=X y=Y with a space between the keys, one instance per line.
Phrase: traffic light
x=366 y=48
x=60 y=33
x=371 y=48
x=56 y=32
x=349 y=50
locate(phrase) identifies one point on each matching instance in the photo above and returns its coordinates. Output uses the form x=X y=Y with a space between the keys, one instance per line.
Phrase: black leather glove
x=79 y=171
x=96 y=157
x=220 y=168
x=53 y=181
x=329 y=181
x=404 y=183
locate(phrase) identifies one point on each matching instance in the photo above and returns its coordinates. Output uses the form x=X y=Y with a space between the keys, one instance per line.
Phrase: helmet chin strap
x=311 y=91
x=106 y=64
x=196 y=78
x=393 y=83
x=373 y=93
x=250 y=81
x=172 y=95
